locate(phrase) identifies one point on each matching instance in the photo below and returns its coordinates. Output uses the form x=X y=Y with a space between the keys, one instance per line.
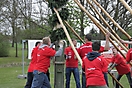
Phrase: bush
x=4 y=46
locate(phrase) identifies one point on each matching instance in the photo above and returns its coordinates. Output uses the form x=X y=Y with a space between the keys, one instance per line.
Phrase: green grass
x=9 y=72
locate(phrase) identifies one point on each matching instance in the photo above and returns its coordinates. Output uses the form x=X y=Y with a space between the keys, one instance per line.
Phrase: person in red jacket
x=120 y=64
x=31 y=65
x=40 y=79
x=95 y=66
x=72 y=65
x=129 y=53
x=86 y=48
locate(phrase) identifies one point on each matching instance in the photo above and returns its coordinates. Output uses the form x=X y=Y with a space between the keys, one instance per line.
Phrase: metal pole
x=23 y=74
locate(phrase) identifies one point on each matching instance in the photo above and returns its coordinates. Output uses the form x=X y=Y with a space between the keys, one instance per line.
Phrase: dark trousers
x=128 y=77
x=30 y=78
x=106 y=79
x=83 y=80
x=48 y=74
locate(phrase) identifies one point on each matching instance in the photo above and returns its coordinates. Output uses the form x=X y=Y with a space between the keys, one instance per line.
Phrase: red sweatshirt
x=71 y=61
x=43 y=59
x=33 y=59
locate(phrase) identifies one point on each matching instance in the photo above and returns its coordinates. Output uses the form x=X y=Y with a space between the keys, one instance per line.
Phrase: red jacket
x=121 y=67
x=94 y=71
x=43 y=59
x=71 y=60
x=86 y=48
x=129 y=55
x=33 y=59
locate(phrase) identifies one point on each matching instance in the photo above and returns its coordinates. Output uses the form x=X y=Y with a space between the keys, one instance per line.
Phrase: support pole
x=59 y=69
x=116 y=24
x=74 y=32
x=97 y=24
x=127 y=6
x=104 y=21
x=68 y=37
x=23 y=76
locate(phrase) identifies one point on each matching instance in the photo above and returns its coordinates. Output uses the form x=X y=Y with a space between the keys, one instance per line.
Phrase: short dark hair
x=88 y=37
x=96 y=46
x=37 y=43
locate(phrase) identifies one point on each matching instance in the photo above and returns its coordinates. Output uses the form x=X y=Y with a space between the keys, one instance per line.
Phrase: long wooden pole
x=90 y=16
x=99 y=25
x=127 y=6
x=116 y=80
x=116 y=24
x=74 y=32
x=68 y=36
x=101 y=17
x=104 y=32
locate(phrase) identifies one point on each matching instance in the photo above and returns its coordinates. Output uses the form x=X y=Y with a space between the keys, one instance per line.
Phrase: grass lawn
x=9 y=71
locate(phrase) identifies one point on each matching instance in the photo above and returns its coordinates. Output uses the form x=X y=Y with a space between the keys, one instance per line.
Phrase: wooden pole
x=112 y=42
x=95 y=24
x=116 y=24
x=101 y=17
x=68 y=37
x=116 y=80
x=127 y=6
x=74 y=32
x=99 y=25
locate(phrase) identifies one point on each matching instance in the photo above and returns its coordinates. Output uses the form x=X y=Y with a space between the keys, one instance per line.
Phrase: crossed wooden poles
x=103 y=30
x=69 y=39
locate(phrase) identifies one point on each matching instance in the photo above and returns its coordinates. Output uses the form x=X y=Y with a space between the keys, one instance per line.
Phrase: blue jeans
x=40 y=80
x=76 y=75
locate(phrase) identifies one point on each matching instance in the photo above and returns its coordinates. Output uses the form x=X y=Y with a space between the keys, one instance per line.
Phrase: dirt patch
x=14 y=64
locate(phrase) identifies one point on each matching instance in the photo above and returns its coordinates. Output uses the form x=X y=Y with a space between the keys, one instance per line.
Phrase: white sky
x=88 y=28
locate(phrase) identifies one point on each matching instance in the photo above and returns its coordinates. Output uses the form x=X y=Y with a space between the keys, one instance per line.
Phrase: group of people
x=38 y=73
x=94 y=66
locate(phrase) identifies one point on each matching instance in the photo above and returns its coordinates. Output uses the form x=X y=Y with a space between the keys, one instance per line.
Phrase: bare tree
x=117 y=11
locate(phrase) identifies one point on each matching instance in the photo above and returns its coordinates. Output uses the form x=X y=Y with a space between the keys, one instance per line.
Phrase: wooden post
x=74 y=32
x=97 y=24
x=101 y=17
x=116 y=24
x=127 y=6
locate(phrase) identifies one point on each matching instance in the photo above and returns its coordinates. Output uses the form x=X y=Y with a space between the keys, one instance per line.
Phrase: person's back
x=43 y=58
x=95 y=65
x=87 y=47
x=129 y=55
x=32 y=65
x=94 y=71
x=33 y=59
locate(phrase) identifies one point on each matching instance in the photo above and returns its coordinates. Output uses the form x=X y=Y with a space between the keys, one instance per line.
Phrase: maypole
x=56 y=35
